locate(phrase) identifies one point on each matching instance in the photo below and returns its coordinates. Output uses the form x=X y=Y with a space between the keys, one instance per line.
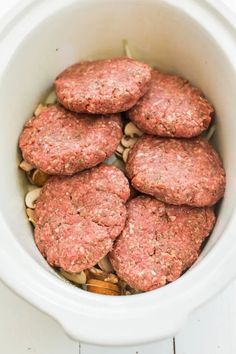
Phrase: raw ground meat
x=103 y=86
x=177 y=171
x=172 y=108
x=78 y=217
x=61 y=142
x=159 y=242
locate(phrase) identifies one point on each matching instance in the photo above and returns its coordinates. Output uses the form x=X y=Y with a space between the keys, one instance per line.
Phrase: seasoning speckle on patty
x=61 y=142
x=103 y=86
x=172 y=108
x=78 y=217
x=177 y=171
x=159 y=242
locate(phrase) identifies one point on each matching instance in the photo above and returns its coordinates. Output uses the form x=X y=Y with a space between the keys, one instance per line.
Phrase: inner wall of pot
x=157 y=34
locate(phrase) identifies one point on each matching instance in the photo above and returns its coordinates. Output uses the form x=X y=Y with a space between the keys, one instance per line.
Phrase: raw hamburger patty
x=60 y=142
x=177 y=171
x=103 y=86
x=159 y=242
x=78 y=217
x=172 y=108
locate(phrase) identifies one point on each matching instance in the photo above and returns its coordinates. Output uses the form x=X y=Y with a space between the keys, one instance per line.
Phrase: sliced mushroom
x=102 y=287
x=127 y=141
x=77 y=278
x=51 y=98
x=132 y=131
x=125 y=154
x=97 y=273
x=29 y=177
x=39 y=178
x=31 y=215
x=119 y=150
x=25 y=166
x=105 y=265
x=39 y=109
x=31 y=198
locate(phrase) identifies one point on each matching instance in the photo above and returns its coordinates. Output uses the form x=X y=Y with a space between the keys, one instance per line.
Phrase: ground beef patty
x=103 y=86
x=177 y=171
x=78 y=217
x=60 y=142
x=172 y=108
x=159 y=242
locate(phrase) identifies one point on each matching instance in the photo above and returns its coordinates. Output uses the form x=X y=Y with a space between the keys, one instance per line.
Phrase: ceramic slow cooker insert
x=194 y=39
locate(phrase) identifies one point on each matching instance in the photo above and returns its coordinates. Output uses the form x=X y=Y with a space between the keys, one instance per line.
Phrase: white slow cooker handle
x=100 y=330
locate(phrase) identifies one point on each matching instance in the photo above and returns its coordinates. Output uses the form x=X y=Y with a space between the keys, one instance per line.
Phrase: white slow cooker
x=193 y=38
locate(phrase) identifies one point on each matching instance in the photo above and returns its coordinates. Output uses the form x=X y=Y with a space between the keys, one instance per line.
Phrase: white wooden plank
x=25 y=330
x=212 y=328
x=163 y=347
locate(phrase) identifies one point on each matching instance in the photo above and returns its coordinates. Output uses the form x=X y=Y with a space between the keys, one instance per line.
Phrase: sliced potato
x=102 y=287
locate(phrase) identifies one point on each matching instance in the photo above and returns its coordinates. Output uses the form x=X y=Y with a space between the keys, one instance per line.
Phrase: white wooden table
x=25 y=330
